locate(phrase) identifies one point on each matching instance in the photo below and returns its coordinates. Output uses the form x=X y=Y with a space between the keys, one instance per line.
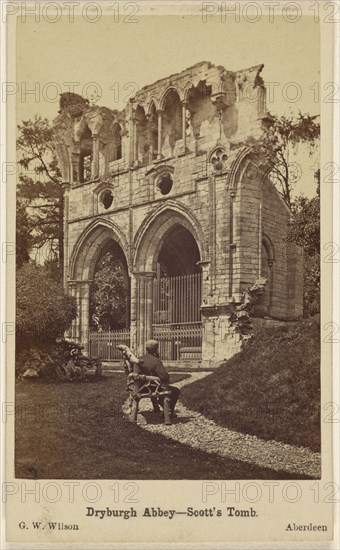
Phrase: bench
x=141 y=386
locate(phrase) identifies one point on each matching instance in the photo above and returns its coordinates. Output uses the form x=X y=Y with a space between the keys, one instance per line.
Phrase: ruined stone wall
x=219 y=192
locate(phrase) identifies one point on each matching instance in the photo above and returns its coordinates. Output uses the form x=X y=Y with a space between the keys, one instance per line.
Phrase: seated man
x=150 y=364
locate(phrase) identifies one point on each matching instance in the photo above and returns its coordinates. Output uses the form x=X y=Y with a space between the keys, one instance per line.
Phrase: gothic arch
x=243 y=161
x=89 y=246
x=189 y=85
x=243 y=165
x=169 y=90
x=238 y=166
x=152 y=106
x=153 y=231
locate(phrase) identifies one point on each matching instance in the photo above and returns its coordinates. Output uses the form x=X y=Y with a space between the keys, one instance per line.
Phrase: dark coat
x=153 y=366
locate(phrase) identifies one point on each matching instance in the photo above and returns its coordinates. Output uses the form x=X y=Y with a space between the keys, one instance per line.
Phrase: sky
x=121 y=57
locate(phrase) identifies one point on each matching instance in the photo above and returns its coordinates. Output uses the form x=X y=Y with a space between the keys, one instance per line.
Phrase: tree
x=43 y=311
x=109 y=296
x=280 y=138
x=305 y=230
x=23 y=235
x=39 y=189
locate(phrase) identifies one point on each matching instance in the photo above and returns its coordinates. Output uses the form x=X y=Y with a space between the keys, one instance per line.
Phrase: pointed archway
x=167 y=284
x=96 y=240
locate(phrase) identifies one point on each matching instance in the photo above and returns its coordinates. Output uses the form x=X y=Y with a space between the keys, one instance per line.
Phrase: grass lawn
x=271 y=389
x=77 y=431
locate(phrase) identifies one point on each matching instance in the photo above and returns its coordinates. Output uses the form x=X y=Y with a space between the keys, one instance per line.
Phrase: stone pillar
x=205 y=267
x=150 y=138
x=160 y=132
x=66 y=189
x=136 y=144
x=133 y=311
x=71 y=333
x=131 y=134
x=144 y=310
x=78 y=318
x=95 y=156
x=184 y=123
x=232 y=244
x=149 y=305
x=212 y=233
x=84 y=313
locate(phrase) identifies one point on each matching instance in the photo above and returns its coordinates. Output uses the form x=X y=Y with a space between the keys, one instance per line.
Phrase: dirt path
x=194 y=429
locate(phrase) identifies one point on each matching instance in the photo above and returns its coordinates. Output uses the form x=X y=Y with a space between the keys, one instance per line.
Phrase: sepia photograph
x=167 y=252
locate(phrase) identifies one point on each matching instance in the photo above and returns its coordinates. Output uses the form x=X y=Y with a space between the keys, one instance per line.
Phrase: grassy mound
x=271 y=389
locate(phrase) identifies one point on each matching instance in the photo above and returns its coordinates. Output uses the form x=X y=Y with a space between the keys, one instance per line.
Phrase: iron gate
x=104 y=344
x=176 y=317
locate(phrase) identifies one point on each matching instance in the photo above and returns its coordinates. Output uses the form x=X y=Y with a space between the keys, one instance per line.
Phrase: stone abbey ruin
x=170 y=184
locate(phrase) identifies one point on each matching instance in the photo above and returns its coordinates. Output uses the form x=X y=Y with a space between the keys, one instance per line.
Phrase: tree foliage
x=305 y=231
x=109 y=295
x=23 y=235
x=39 y=189
x=280 y=138
x=43 y=311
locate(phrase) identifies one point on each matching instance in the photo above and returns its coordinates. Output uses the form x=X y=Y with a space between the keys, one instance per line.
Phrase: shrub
x=43 y=310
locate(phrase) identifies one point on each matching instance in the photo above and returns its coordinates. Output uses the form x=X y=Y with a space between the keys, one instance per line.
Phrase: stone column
x=84 y=313
x=150 y=131
x=232 y=245
x=160 y=132
x=149 y=304
x=133 y=311
x=184 y=123
x=144 y=312
x=78 y=318
x=95 y=156
x=131 y=134
x=66 y=189
x=205 y=267
x=136 y=145
x=71 y=333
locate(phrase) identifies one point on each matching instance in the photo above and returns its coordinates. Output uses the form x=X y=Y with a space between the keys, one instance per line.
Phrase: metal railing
x=177 y=299
x=104 y=344
x=179 y=341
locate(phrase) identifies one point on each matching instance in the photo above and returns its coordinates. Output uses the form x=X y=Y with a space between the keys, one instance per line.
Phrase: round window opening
x=106 y=199
x=165 y=184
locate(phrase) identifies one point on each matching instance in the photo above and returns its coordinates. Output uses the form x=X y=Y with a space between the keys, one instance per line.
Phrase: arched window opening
x=153 y=133
x=85 y=156
x=116 y=143
x=141 y=143
x=172 y=124
x=110 y=290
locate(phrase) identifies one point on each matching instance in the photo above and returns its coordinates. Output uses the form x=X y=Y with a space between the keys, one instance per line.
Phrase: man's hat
x=151 y=344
